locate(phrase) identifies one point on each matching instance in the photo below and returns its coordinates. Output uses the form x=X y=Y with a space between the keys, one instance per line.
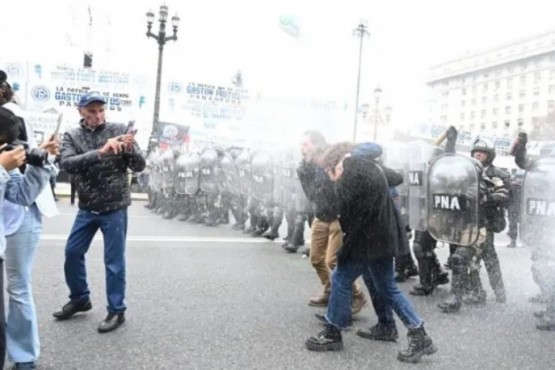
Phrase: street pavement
x=213 y=298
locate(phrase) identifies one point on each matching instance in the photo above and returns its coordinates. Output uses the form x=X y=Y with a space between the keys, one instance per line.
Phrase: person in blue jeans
x=98 y=154
x=372 y=237
x=21 y=190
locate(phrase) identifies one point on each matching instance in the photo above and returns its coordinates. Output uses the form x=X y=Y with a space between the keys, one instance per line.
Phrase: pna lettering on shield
x=449 y=202
x=540 y=207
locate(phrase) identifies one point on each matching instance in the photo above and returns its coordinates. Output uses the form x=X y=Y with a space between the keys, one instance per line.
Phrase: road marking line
x=170 y=239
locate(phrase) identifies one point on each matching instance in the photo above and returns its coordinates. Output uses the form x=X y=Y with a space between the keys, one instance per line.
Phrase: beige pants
x=326 y=239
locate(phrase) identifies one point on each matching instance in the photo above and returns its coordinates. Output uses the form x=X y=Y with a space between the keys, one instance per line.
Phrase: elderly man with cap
x=99 y=155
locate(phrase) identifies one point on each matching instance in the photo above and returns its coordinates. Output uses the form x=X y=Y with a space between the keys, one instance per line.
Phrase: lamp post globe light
x=161 y=39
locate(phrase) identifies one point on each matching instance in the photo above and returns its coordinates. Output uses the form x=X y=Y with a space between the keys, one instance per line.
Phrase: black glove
x=519 y=144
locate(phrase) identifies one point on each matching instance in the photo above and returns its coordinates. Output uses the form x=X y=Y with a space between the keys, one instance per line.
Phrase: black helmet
x=486 y=146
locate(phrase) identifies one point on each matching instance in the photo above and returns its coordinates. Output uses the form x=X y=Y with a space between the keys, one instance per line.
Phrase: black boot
x=380 y=332
x=421 y=290
x=420 y=344
x=328 y=339
x=290 y=247
x=451 y=305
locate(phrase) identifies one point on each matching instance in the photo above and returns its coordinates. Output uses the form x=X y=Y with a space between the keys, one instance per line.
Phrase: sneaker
x=380 y=332
x=111 y=322
x=71 y=308
x=323 y=320
x=512 y=244
x=328 y=339
x=420 y=344
x=270 y=235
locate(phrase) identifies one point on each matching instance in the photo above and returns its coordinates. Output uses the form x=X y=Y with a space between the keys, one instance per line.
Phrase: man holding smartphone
x=99 y=155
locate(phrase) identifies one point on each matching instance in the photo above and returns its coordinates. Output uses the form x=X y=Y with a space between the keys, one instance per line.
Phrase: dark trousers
x=491 y=261
x=514 y=220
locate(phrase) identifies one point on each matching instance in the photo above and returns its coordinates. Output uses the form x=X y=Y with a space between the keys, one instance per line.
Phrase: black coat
x=319 y=189
x=102 y=183
x=371 y=226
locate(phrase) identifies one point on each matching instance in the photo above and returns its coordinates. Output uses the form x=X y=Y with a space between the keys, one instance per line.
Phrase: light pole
x=362 y=32
x=377 y=95
x=161 y=39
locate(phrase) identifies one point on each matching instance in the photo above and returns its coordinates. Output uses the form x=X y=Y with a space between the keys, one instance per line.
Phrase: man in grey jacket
x=99 y=155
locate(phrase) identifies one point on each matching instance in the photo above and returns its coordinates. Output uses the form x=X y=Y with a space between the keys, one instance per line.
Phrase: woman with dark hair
x=372 y=235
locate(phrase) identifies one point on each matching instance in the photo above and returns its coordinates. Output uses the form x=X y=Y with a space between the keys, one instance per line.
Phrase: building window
x=521 y=107
x=495 y=98
x=473 y=101
x=483 y=125
x=474 y=88
x=472 y=114
x=551 y=89
x=495 y=111
x=485 y=87
x=464 y=91
x=523 y=80
x=509 y=82
x=472 y=127
x=445 y=94
x=443 y=119
x=509 y=96
x=508 y=109
x=497 y=85
x=463 y=103
x=522 y=93
x=537 y=77
x=484 y=100
x=483 y=113
x=550 y=105
x=535 y=121
x=520 y=122
x=494 y=125
x=462 y=116
x=535 y=105
x=536 y=91
x=507 y=123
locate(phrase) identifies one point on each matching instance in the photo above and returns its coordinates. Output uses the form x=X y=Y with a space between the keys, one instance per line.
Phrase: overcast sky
x=219 y=37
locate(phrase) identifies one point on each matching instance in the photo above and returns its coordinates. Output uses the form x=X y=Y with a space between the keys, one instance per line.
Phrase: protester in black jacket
x=372 y=235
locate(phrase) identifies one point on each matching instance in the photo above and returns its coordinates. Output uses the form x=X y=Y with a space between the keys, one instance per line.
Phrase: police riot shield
x=420 y=156
x=208 y=176
x=262 y=176
x=230 y=178
x=289 y=181
x=453 y=199
x=396 y=157
x=243 y=164
x=538 y=204
x=167 y=160
x=187 y=181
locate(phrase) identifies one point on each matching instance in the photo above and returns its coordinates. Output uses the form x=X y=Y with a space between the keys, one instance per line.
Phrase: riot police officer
x=489 y=195
x=538 y=223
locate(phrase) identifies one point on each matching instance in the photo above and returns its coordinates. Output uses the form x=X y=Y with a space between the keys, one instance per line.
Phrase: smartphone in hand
x=131 y=128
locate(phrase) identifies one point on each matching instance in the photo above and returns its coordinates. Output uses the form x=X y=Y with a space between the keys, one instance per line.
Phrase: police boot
x=439 y=277
x=289 y=247
x=453 y=303
x=271 y=234
x=547 y=320
x=476 y=295
x=512 y=244
x=420 y=344
x=426 y=286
